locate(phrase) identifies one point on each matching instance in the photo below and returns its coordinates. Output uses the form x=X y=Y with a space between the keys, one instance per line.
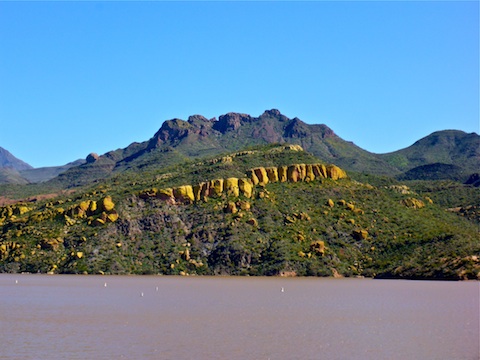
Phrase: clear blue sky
x=81 y=77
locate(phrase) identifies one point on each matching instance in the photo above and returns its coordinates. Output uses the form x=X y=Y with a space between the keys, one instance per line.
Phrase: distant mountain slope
x=451 y=147
x=46 y=173
x=7 y=160
x=11 y=176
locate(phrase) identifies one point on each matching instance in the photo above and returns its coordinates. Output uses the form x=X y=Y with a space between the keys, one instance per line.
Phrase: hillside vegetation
x=265 y=210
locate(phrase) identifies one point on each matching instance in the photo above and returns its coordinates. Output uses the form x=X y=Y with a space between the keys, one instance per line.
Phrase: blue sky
x=81 y=77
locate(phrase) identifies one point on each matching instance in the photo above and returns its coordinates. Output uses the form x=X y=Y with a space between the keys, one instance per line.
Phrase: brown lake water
x=159 y=317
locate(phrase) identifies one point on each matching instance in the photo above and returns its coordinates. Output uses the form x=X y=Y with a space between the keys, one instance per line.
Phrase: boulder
x=272 y=174
x=231 y=208
x=91 y=158
x=253 y=222
x=112 y=217
x=84 y=205
x=335 y=173
x=330 y=203
x=107 y=204
x=231 y=187
x=246 y=187
x=360 y=234
x=244 y=205
x=318 y=246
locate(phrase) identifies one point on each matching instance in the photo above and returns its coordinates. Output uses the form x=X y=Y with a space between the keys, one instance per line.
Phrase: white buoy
x=105 y=285
x=141 y=294
x=156 y=289
x=16 y=281
x=283 y=290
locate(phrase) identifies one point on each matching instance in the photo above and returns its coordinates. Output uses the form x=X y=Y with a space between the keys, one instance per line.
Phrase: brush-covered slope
x=266 y=211
x=448 y=147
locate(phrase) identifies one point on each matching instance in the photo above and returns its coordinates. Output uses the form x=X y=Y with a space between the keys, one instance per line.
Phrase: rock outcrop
x=236 y=187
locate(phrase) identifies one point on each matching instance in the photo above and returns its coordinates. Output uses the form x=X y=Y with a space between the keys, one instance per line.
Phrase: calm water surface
x=150 y=317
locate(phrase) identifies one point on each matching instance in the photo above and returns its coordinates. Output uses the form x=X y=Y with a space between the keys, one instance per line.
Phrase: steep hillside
x=273 y=210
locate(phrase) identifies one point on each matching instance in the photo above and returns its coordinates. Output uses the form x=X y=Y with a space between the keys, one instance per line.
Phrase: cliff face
x=245 y=186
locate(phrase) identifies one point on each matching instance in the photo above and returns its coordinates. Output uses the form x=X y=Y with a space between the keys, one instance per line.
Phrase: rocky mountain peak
x=231 y=121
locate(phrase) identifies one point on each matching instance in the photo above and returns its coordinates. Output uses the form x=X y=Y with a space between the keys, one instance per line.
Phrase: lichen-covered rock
x=231 y=208
x=319 y=170
x=282 y=173
x=318 y=247
x=293 y=173
x=184 y=193
x=92 y=207
x=261 y=175
x=244 y=205
x=107 y=204
x=166 y=194
x=112 y=217
x=309 y=175
x=51 y=244
x=84 y=205
x=231 y=187
x=303 y=171
x=360 y=234
x=246 y=187
x=335 y=173
x=413 y=203
x=253 y=177
x=253 y=222
x=98 y=222
x=272 y=174
x=197 y=192
x=216 y=187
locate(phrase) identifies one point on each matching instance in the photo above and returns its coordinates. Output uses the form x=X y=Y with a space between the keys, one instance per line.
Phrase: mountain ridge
x=197 y=137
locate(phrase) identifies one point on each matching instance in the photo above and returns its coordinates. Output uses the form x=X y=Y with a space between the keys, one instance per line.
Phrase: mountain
x=7 y=160
x=198 y=137
x=445 y=154
x=266 y=210
x=450 y=149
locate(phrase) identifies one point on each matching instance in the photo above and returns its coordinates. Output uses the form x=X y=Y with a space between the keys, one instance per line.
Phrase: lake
x=162 y=317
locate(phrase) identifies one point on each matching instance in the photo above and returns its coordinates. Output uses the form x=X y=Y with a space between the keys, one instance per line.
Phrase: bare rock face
x=231 y=187
x=92 y=157
x=231 y=121
x=335 y=173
